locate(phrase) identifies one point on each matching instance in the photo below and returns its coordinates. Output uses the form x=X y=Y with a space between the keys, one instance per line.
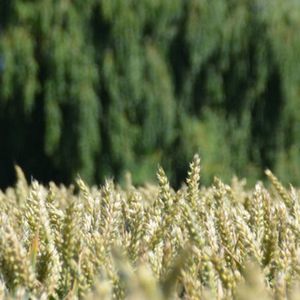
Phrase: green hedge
x=99 y=87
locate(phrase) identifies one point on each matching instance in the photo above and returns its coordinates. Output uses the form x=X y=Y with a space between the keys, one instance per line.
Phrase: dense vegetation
x=152 y=242
x=97 y=87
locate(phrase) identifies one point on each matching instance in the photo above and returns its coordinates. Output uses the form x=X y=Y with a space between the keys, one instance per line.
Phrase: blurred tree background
x=99 y=87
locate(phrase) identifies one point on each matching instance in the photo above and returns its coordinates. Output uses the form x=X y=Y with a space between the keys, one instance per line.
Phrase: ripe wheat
x=217 y=242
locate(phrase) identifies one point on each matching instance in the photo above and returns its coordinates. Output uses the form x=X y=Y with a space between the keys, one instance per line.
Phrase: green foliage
x=101 y=87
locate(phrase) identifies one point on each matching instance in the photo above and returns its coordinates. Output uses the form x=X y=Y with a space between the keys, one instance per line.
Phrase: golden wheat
x=151 y=242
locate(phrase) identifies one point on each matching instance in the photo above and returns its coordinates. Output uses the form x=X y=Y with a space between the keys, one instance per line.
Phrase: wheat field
x=150 y=242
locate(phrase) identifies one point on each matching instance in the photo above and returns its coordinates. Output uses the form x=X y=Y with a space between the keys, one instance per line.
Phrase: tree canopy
x=99 y=87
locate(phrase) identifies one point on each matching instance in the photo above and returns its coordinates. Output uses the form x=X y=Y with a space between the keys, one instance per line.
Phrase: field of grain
x=151 y=242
